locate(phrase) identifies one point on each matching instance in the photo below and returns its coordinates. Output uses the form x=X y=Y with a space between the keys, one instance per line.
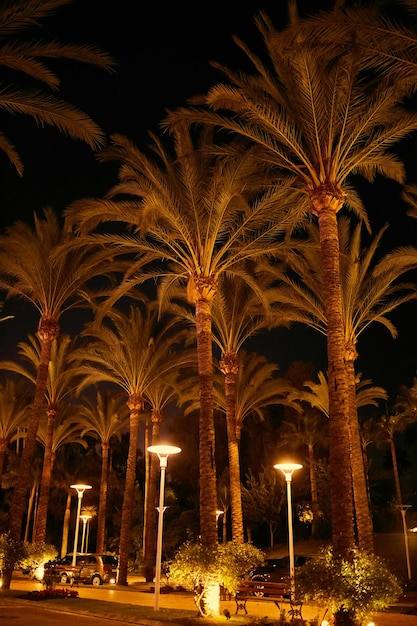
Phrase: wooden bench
x=261 y=591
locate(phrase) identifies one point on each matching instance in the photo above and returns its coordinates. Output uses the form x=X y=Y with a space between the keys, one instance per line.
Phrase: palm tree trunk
x=30 y=512
x=339 y=439
x=360 y=493
x=42 y=515
x=146 y=479
x=48 y=331
x=151 y=503
x=135 y=405
x=3 y=450
x=229 y=366
x=395 y=470
x=313 y=489
x=102 y=506
x=208 y=491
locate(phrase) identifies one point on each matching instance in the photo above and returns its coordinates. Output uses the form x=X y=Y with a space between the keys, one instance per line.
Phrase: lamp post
x=80 y=492
x=85 y=518
x=218 y=514
x=403 y=509
x=288 y=469
x=163 y=452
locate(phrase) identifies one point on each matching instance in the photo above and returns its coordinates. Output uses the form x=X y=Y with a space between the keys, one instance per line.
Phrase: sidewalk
x=139 y=594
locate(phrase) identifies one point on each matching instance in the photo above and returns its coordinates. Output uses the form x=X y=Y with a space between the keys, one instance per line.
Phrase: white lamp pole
x=403 y=508
x=163 y=453
x=288 y=469
x=80 y=492
x=85 y=518
x=218 y=514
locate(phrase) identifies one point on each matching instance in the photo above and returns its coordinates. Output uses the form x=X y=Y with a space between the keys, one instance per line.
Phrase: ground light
x=80 y=492
x=288 y=469
x=163 y=452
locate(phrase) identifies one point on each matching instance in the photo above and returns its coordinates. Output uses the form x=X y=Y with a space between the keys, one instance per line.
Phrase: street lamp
x=403 y=509
x=218 y=514
x=80 y=491
x=163 y=452
x=85 y=518
x=288 y=469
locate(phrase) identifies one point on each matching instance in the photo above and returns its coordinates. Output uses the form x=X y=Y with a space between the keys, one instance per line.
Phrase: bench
x=261 y=591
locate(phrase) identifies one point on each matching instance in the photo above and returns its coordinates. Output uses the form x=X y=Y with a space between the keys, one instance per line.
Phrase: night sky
x=164 y=52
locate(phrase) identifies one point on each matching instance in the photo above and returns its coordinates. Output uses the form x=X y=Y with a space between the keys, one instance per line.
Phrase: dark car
x=275 y=571
x=94 y=569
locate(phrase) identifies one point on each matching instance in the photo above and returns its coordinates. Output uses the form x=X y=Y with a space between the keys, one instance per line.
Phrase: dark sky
x=164 y=51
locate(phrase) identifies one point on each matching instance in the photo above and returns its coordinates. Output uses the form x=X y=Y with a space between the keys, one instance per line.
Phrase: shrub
x=224 y=564
x=12 y=552
x=37 y=554
x=356 y=586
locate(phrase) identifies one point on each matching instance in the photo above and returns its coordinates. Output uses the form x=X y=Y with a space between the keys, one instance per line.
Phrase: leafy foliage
x=224 y=564
x=359 y=585
x=38 y=554
x=262 y=499
x=12 y=552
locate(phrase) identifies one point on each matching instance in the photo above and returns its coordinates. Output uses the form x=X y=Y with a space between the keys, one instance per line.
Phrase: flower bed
x=52 y=593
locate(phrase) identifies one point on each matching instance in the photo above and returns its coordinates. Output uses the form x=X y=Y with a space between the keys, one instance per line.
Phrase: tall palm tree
x=132 y=352
x=366 y=394
x=193 y=215
x=158 y=395
x=60 y=382
x=59 y=427
x=35 y=95
x=308 y=429
x=31 y=269
x=388 y=425
x=14 y=409
x=239 y=313
x=104 y=417
x=254 y=387
x=315 y=116
x=372 y=289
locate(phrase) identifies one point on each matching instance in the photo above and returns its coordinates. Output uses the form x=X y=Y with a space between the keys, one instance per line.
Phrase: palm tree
x=239 y=313
x=104 y=418
x=388 y=425
x=31 y=269
x=36 y=97
x=366 y=394
x=254 y=387
x=14 y=408
x=314 y=117
x=60 y=382
x=188 y=212
x=159 y=394
x=371 y=292
x=60 y=427
x=67 y=466
x=132 y=352
x=308 y=429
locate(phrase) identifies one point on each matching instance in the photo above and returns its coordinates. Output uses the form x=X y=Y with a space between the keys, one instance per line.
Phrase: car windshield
x=109 y=560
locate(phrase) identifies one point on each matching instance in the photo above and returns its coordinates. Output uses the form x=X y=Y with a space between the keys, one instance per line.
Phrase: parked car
x=95 y=569
x=275 y=570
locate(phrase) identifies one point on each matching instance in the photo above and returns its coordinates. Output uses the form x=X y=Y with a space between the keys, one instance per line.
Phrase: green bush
x=356 y=586
x=12 y=552
x=224 y=564
x=37 y=554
